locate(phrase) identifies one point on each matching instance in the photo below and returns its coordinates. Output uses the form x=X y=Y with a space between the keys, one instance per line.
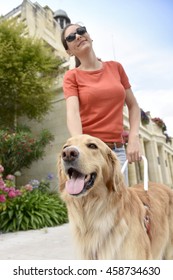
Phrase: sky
x=138 y=34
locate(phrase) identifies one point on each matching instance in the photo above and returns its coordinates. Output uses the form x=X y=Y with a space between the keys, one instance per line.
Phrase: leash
x=145 y=171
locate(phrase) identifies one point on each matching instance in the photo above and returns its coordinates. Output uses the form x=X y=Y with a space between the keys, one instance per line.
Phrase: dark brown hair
x=77 y=61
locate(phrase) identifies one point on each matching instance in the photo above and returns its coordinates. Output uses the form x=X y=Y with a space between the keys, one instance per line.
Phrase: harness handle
x=145 y=171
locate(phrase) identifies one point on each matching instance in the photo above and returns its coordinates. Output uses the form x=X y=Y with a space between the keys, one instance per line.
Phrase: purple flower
x=18 y=192
x=29 y=187
x=10 y=177
x=34 y=183
x=6 y=189
x=12 y=194
x=1 y=168
x=2 y=198
x=50 y=176
x=2 y=184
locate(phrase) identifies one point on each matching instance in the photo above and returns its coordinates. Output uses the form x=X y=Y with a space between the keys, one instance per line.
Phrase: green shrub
x=33 y=210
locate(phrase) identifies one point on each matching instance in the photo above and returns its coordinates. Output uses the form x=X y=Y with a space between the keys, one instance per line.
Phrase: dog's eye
x=92 y=146
x=65 y=147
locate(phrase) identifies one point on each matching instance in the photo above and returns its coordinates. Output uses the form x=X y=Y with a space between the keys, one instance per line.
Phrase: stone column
x=154 y=169
x=142 y=146
x=164 y=165
x=170 y=167
x=141 y=165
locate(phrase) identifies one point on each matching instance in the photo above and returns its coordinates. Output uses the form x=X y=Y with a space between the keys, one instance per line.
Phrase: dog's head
x=87 y=164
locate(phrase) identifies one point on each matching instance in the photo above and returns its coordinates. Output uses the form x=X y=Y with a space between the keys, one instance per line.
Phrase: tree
x=27 y=71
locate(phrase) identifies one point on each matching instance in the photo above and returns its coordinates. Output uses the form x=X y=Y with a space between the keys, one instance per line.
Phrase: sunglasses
x=80 y=31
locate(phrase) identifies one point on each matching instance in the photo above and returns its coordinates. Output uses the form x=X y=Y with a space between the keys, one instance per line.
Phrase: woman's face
x=77 y=39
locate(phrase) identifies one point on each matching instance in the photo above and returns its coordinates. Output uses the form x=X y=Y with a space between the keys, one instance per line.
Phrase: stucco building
x=43 y=23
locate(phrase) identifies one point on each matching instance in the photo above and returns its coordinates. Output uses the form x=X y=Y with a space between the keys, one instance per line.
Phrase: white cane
x=145 y=171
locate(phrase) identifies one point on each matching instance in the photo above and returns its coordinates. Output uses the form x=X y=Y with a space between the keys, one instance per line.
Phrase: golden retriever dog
x=109 y=220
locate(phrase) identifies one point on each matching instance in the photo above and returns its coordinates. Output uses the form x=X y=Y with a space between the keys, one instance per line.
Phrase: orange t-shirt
x=101 y=96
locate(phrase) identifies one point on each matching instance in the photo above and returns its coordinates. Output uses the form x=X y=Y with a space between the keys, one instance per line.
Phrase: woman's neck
x=90 y=62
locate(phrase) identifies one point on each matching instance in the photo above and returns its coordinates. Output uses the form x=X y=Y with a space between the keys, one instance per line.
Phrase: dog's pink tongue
x=75 y=185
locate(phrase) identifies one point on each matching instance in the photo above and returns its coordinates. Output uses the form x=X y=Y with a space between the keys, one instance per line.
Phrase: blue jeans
x=121 y=154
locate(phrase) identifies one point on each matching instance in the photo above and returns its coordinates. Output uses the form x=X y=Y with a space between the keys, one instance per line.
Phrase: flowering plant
x=168 y=138
x=7 y=189
x=43 y=185
x=20 y=148
x=30 y=207
x=144 y=118
x=160 y=123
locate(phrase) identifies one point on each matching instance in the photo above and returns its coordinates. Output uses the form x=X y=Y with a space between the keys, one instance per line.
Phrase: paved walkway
x=43 y=244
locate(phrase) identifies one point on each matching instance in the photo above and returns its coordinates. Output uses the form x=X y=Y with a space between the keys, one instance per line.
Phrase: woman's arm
x=134 y=146
x=73 y=116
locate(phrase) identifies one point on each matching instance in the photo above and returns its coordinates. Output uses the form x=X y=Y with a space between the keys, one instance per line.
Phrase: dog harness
x=147 y=220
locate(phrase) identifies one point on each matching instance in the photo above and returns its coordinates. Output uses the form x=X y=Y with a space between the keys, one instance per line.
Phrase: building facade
x=158 y=150
x=43 y=23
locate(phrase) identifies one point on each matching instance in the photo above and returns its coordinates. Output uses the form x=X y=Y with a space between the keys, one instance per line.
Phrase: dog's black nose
x=70 y=154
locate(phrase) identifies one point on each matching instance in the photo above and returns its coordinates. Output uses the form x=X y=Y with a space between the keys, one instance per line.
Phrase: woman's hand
x=133 y=149
x=134 y=146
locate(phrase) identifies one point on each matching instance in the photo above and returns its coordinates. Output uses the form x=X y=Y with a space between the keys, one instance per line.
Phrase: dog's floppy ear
x=117 y=177
x=61 y=175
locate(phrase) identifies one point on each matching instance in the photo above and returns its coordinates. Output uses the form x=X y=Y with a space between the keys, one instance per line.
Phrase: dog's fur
x=109 y=220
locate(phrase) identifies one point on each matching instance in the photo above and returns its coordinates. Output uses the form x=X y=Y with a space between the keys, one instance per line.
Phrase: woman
x=95 y=93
